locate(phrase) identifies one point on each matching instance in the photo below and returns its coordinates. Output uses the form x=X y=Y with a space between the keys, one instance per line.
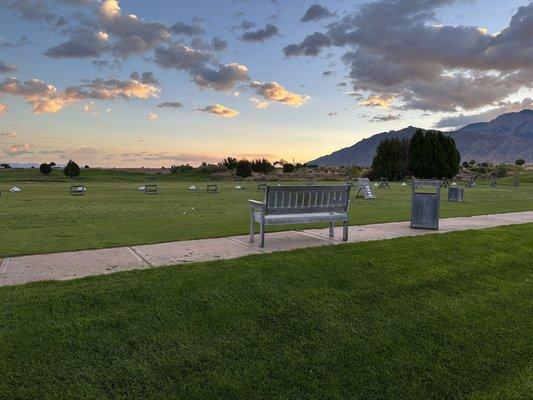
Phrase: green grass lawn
x=432 y=317
x=45 y=218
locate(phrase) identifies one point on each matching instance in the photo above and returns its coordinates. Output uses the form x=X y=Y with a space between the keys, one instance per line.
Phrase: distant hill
x=504 y=139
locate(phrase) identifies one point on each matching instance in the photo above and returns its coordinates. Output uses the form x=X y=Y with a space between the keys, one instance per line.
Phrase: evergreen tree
x=433 y=155
x=71 y=169
x=45 y=168
x=391 y=160
x=244 y=168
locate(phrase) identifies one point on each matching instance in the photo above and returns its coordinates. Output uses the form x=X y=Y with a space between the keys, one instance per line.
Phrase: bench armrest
x=256 y=204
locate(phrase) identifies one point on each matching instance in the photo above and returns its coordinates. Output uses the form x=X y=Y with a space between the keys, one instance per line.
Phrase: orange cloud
x=377 y=100
x=220 y=111
x=275 y=92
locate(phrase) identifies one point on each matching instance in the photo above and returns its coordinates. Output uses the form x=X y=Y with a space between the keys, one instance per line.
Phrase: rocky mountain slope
x=504 y=139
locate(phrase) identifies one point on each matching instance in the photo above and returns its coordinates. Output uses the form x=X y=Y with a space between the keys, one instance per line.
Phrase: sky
x=156 y=83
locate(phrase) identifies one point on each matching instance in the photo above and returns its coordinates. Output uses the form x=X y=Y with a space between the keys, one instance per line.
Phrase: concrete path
x=64 y=266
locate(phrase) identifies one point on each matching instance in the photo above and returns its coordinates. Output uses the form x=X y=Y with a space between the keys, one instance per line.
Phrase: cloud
x=220 y=111
x=3 y=109
x=377 y=101
x=385 y=118
x=219 y=44
x=23 y=41
x=260 y=35
x=18 y=149
x=46 y=98
x=153 y=116
x=395 y=47
x=32 y=10
x=170 y=104
x=310 y=46
x=83 y=44
x=5 y=69
x=129 y=34
x=198 y=64
x=8 y=135
x=89 y=108
x=223 y=79
x=146 y=78
x=259 y=104
x=182 y=28
x=316 y=12
x=461 y=120
x=275 y=92
x=180 y=57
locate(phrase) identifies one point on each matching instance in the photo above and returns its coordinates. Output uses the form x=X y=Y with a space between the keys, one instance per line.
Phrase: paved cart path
x=64 y=266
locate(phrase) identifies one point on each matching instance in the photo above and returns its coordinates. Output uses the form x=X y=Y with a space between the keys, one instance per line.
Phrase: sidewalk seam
x=245 y=245
x=135 y=253
x=4 y=264
x=328 y=239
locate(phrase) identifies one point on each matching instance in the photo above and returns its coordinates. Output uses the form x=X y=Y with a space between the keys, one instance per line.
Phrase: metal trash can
x=455 y=193
x=425 y=204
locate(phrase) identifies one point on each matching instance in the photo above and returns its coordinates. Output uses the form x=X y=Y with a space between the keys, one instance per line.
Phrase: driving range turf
x=44 y=218
x=429 y=317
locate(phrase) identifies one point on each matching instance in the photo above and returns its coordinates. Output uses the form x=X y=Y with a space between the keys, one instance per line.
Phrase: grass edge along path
x=437 y=316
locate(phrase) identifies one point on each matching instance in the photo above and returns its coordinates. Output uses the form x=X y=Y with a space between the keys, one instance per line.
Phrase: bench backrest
x=306 y=199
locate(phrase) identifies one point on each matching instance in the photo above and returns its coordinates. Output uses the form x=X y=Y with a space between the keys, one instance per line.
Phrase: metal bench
x=261 y=187
x=78 y=190
x=384 y=183
x=365 y=190
x=211 y=188
x=516 y=182
x=493 y=183
x=150 y=188
x=301 y=204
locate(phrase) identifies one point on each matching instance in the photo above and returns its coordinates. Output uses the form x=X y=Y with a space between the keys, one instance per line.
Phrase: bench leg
x=345 y=231
x=262 y=234
x=331 y=229
x=252 y=226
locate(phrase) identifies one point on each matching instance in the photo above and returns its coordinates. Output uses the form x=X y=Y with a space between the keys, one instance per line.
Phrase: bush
x=466 y=165
x=181 y=168
x=45 y=168
x=499 y=171
x=391 y=160
x=520 y=162
x=230 y=163
x=244 y=168
x=72 y=169
x=288 y=168
x=262 y=166
x=433 y=155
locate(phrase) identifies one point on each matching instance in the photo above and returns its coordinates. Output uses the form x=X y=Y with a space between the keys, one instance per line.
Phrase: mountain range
x=502 y=140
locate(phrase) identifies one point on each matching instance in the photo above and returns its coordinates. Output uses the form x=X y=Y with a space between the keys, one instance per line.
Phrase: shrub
x=45 y=168
x=262 y=166
x=391 y=160
x=230 y=163
x=520 y=162
x=466 y=165
x=288 y=168
x=244 y=168
x=72 y=169
x=433 y=155
x=180 y=168
x=499 y=171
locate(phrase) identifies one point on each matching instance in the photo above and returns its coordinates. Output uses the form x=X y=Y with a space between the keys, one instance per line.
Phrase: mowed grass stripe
x=444 y=316
x=44 y=218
